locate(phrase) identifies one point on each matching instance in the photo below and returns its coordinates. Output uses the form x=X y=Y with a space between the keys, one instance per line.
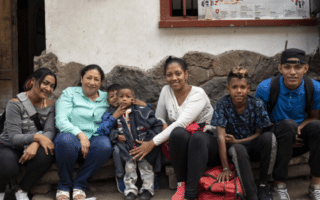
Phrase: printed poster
x=253 y=9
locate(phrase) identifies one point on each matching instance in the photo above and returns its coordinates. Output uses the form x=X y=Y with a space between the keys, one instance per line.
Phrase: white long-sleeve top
x=195 y=108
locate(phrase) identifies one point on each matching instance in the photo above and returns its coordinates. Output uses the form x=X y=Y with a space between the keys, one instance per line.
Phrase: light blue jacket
x=77 y=113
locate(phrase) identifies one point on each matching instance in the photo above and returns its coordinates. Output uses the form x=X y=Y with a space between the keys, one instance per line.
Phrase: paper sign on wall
x=253 y=9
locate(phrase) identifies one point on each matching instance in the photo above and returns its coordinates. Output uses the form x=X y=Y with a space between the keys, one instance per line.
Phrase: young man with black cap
x=293 y=105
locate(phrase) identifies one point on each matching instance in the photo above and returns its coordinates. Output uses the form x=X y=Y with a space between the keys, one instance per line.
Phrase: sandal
x=80 y=193
x=62 y=195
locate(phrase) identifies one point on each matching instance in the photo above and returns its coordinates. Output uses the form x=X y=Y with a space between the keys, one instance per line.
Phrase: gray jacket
x=19 y=129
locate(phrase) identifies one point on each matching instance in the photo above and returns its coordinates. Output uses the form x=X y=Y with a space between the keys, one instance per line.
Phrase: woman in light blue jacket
x=78 y=115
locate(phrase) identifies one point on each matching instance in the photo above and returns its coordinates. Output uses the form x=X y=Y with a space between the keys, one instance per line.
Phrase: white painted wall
x=126 y=32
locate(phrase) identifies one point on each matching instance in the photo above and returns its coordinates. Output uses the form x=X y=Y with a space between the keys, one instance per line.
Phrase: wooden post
x=184 y=8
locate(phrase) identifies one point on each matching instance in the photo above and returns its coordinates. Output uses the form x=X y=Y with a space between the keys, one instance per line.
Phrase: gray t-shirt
x=19 y=129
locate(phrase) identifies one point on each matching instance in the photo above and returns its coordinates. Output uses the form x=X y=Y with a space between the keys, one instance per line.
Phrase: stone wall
x=205 y=70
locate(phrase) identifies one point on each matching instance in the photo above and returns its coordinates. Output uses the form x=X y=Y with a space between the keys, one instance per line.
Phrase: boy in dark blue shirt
x=138 y=123
x=240 y=119
x=109 y=120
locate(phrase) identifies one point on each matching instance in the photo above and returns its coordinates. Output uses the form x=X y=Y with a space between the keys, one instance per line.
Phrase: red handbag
x=210 y=188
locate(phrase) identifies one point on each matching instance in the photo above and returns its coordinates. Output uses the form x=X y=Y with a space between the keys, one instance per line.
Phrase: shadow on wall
x=205 y=70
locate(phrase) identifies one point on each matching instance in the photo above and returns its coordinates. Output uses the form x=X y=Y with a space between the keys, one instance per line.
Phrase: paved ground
x=298 y=190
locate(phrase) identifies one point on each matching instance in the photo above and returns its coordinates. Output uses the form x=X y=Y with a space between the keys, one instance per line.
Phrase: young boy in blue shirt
x=109 y=119
x=240 y=119
x=138 y=123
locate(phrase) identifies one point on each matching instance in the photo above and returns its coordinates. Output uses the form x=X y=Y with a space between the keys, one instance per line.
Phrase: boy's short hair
x=121 y=87
x=238 y=72
x=113 y=87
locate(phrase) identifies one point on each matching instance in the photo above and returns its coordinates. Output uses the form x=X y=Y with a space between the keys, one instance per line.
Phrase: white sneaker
x=20 y=195
x=2 y=195
x=280 y=192
x=314 y=192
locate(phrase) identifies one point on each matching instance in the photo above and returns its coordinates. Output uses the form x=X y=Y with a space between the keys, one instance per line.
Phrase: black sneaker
x=264 y=192
x=145 y=195
x=130 y=196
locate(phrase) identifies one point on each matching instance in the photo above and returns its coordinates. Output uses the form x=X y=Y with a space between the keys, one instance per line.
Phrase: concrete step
x=297 y=188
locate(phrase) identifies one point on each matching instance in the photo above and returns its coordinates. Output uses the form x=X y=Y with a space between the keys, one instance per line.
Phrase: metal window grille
x=184 y=7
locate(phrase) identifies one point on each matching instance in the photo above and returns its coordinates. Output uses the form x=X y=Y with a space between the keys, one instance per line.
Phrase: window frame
x=168 y=21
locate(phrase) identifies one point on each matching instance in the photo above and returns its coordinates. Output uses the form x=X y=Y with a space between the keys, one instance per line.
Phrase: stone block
x=49 y=196
x=41 y=189
x=68 y=75
x=198 y=75
x=157 y=72
x=199 y=59
x=146 y=89
x=104 y=173
x=216 y=89
x=267 y=67
x=172 y=177
x=315 y=62
x=303 y=159
x=225 y=61
x=53 y=167
x=50 y=177
x=49 y=61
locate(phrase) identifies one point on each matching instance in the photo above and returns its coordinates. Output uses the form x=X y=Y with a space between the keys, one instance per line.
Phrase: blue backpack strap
x=2 y=120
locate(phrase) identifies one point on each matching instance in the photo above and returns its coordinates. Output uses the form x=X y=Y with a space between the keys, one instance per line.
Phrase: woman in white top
x=182 y=105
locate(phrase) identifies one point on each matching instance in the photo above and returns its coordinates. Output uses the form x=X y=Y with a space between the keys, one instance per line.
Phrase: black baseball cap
x=293 y=53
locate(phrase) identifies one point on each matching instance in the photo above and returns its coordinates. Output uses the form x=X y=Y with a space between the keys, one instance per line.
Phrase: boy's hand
x=138 y=102
x=119 y=112
x=230 y=139
x=225 y=175
x=299 y=142
x=121 y=138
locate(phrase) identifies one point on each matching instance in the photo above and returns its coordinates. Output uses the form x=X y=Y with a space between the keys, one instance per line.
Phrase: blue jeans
x=68 y=150
x=118 y=162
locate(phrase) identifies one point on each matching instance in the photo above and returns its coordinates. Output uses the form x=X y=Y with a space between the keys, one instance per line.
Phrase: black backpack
x=2 y=120
x=274 y=93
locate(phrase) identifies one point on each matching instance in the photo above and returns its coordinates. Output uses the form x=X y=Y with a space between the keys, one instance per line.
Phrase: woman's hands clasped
x=30 y=152
x=45 y=142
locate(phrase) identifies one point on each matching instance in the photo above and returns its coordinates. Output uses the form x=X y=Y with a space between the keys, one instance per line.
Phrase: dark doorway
x=31 y=35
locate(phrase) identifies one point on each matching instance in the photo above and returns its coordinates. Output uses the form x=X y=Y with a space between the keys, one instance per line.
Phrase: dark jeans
x=190 y=154
x=311 y=139
x=263 y=149
x=10 y=167
x=68 y=151
x=285 y=133
x=119 y=163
